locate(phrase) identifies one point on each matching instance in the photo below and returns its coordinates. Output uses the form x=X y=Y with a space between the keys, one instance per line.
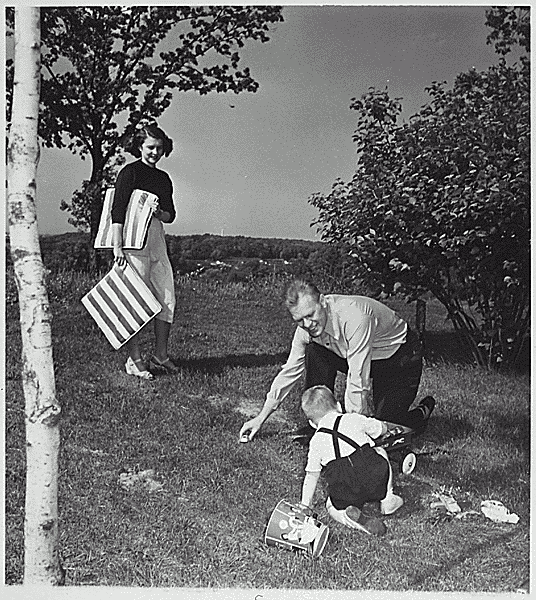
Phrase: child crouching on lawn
x=356 y=472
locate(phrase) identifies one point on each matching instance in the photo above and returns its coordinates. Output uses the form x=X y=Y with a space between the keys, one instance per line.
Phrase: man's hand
x=250 y=428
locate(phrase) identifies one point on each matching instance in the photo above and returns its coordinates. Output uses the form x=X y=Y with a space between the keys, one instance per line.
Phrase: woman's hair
x=298 y=288
x=317 y=401
x=134 y=141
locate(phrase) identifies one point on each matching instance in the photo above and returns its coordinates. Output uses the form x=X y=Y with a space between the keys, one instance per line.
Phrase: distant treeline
x=217 y=247
x=228 y=258
x=71 y=250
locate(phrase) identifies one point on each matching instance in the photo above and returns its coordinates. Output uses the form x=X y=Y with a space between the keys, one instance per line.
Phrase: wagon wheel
x=408 y=464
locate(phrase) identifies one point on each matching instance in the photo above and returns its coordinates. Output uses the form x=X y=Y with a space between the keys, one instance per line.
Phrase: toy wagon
x=397 y=443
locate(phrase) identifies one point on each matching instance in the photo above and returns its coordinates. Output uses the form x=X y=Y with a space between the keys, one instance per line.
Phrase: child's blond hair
x=318 y=401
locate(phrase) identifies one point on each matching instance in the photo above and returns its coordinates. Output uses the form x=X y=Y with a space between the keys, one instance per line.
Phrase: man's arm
x=281 y=386
x=360 y=334
x=250 y=428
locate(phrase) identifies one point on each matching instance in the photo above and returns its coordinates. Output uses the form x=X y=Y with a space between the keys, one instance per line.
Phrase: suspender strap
x=335 y=438
x=336 y=435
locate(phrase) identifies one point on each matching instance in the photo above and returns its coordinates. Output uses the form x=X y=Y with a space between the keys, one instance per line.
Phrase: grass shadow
x=446 y=346
x=449 y=563
x=442 y=429
x=217 y=364
x=450 y=347
x=513 y=430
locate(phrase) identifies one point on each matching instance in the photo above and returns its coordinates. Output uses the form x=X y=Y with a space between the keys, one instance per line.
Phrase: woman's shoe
x=167 y=365
x=138 y=368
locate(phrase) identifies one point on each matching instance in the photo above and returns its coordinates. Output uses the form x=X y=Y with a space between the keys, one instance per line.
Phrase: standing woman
x=148 y=144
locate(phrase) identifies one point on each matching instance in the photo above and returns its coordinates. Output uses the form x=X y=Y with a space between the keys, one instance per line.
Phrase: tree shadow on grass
x=505 y=478
x=443 y=429
x=449 y=563
x=450 y=347
x=446 y=346
x=512 y=430
x=218 y=364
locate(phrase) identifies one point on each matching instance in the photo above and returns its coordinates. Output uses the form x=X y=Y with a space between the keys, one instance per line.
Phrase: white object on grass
x=497 y=511
x=448 y=502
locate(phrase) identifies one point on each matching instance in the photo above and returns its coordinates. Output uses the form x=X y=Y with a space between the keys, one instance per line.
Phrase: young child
x=356 y=472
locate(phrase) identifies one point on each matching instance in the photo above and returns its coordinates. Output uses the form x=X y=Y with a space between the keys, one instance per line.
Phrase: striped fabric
x=121 y=305
x=137 y=219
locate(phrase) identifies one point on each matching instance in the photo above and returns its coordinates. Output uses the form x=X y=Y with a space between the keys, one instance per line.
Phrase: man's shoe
x=358 y=520
x=427 y=405
x=304 y=433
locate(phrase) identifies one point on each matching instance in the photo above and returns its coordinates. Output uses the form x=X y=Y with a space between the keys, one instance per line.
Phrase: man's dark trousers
x=395 y=380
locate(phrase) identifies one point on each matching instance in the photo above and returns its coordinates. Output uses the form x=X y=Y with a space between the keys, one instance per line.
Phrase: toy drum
x=291 y=528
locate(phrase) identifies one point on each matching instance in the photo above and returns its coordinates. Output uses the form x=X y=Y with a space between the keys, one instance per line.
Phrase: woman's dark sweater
x=138 y=176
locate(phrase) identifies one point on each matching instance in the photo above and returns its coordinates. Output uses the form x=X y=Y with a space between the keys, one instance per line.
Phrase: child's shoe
x=390 y=504
x=358 y=520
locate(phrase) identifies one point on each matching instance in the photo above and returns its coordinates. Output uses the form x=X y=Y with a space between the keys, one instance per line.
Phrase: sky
x=250 y=170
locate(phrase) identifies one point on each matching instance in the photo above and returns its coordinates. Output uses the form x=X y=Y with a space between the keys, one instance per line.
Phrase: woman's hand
x=119 y=257
x=161 y=215
x=117 y=241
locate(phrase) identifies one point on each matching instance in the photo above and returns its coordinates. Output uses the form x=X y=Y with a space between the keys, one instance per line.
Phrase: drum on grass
x=291 y=528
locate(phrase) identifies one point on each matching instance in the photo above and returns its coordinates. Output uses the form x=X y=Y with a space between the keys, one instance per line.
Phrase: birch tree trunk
x=41 y=560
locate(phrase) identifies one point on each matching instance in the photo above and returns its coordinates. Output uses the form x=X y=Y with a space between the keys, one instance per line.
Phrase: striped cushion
x=121 y=305
x=137 y=219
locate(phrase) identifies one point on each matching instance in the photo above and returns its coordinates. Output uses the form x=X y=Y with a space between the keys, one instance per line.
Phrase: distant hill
x=71 y=250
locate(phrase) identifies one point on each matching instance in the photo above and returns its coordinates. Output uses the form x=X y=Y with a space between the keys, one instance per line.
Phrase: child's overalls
x=355 y=479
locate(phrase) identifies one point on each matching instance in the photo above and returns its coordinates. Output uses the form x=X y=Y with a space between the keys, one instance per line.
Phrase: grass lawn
x=197 y=519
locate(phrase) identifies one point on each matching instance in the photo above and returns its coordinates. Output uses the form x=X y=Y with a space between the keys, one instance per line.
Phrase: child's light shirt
x=363 y=430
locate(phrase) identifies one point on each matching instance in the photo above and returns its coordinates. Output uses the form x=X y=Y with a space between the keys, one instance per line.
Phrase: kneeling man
x=358 y=336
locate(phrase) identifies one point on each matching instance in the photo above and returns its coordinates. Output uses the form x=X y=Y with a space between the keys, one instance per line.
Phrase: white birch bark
x=41 y=560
